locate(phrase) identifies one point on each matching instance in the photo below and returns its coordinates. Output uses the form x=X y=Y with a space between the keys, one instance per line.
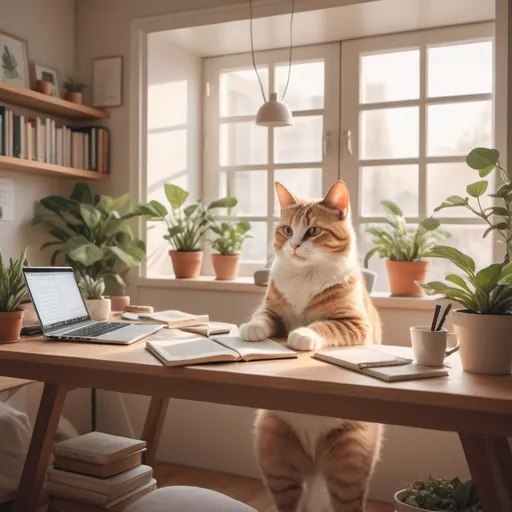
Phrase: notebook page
x=251 y=350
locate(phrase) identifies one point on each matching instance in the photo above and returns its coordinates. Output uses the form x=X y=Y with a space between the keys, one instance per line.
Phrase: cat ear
x=285 y=198
x=337 y=198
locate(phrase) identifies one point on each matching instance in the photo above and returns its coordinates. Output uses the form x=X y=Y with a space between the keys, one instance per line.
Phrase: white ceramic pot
x=99 y=309
x=485 y=342
x=400 y=506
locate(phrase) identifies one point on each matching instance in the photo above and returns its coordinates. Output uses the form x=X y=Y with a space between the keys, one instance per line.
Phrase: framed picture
x=107 y=82
x=47 y=75
x=14 y=60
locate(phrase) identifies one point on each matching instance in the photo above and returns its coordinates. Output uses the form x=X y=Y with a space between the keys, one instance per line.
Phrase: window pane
x=302 y=183
x=301 y=142
x=456 y=128
x=223 y=183
x=389 y=133
x=460 y=69
x=390 y=76
x=240 y=92
x=398 y=183
x=458 y=175
x=167 y=158
x=376 y=264
x=306 y=87
x=242 y=143
x=251 y=192
x=255 y=248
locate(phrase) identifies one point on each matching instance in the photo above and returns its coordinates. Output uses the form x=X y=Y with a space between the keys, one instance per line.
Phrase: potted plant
x=186 y=227
x=91 y=235
x=484 y=322
x=404 y=248
x=92 y=291
x=12 y=293
x=74 y=90
x=438 y=494
x=44 y=87
x=228 y=243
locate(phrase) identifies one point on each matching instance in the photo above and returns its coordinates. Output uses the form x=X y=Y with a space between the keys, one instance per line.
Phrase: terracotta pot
x=402 y=274
x=10 y=326
x=119 y=302
x=485 y=343
x=186 y=264
x=226 y=266
x=74 y=97
x=400 y=506
x=99 y=309
x=30 y=316
x=44 y=87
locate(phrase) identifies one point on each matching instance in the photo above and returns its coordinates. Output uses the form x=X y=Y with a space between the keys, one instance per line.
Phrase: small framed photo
x=14 y=67
x=47 y=75
x=107 y=82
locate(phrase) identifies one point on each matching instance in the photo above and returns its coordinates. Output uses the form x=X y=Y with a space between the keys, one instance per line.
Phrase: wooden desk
x=479 y=408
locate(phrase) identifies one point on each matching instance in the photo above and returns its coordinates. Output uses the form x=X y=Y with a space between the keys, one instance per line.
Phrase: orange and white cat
x=317 y=298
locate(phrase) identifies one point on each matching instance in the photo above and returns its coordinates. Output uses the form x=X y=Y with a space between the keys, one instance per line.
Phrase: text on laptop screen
x=56 y=297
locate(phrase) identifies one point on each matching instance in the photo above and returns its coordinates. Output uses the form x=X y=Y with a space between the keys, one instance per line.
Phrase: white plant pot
x=402 y=507
x=485 y=342
x=99 y=309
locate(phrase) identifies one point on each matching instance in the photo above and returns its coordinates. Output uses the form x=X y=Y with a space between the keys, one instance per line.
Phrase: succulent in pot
x=74 y=90
x=99 y=307
x=404 y=248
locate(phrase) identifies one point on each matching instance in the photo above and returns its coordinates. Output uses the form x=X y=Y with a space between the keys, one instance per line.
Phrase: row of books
x=39 y=139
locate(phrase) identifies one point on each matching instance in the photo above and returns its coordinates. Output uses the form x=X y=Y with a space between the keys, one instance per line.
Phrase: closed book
x=98 y=447
x=10 y=143
x=3 y=131
x=100 y=470
x=16 y=136
x=174 y=318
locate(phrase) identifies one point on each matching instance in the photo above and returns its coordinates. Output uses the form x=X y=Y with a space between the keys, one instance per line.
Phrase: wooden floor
x=247 y=490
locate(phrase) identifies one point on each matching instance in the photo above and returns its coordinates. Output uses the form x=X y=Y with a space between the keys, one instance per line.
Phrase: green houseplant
x=484 y=322
x=74 y=90
x=93 y=237
x=438 y=494
x=12 y=293
x=99 y=307
x=404 y=248
x=186 y=227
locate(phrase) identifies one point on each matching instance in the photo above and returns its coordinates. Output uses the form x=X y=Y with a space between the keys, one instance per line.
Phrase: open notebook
x=183 y=352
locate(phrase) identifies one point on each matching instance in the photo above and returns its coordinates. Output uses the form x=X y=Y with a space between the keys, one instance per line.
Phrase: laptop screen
x=56 y=296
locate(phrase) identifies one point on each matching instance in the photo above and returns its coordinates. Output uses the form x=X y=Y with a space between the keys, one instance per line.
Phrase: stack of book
x=39 y=139
x=98 y=471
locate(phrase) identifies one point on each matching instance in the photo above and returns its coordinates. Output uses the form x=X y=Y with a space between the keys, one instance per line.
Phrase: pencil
x=443 y=318
x=436 y=315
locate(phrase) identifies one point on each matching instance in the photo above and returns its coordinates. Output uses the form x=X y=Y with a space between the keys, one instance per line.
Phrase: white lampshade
x=274 y=113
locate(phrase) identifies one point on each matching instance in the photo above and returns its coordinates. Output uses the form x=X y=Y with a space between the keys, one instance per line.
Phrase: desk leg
x=153 y=426
x=490 y=463
x=41 y=444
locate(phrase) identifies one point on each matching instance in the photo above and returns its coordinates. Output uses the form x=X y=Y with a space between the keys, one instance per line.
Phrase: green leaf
x=175 y=195
x=189 y=210
x=488 y=230
x=129 y=259
x=477 y=189
x=451 y=202
x=430 y=224
x=56 y=204
x=158 y=208
x=119 y=202
x=54 y=257
x=82 y=194
x=81 y=250
x=243 y=227
x=459 y=281
x=225 y=202
x=392 y=208
x=506 y=279
x=175 y=230
x=369 y=256
x=503 y=192
x=455 y=256
x=487 y=278
x=483 y=160
x=91 y=215
x=507 y=269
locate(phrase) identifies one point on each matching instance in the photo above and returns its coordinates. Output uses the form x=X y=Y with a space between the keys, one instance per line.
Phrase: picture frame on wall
x=14 y=67
x=46 y=75
x=107 y=82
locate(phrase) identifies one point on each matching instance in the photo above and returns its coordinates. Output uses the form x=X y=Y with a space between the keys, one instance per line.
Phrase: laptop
x=63 y=314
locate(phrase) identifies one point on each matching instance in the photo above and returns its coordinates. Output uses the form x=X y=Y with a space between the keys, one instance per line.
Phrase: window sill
x=246 y=285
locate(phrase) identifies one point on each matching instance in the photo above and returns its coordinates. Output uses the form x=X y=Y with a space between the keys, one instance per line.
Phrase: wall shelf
x=57 y=107
x=9 y=163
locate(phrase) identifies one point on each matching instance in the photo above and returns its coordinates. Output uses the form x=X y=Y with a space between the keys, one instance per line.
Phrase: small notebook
x=381 y=365
x=173 y=319
x=208 y=329
x=216 y=349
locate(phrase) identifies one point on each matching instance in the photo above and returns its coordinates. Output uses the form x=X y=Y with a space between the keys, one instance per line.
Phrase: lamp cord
x=290 y=55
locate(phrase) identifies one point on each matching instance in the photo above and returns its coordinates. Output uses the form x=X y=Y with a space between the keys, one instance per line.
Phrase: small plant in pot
x=484 y=323
x=404 y=248
x=186 y=227
x=74 y=90
x=438 y=495
x=230 y=238
x=92 y=290
x=12 y=293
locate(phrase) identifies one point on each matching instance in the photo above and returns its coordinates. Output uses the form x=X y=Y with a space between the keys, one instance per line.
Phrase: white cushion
x=187 y=499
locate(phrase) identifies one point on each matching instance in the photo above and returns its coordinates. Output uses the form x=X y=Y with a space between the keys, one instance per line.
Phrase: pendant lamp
x=274 y=112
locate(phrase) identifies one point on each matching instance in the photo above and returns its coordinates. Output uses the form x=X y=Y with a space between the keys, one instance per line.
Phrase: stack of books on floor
x=96 y=472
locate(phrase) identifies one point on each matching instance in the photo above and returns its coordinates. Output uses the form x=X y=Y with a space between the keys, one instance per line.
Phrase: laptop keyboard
x=95 y=330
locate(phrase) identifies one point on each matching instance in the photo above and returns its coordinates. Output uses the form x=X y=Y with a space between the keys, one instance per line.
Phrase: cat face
x=312 y=233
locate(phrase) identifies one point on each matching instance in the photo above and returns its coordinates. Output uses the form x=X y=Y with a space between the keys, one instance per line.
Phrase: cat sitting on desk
x=317 y=298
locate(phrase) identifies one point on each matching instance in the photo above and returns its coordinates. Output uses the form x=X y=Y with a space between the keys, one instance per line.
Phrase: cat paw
x=254 y=331
x=304 y=338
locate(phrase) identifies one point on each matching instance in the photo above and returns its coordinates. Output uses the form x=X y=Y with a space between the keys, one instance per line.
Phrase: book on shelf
x=184 y=352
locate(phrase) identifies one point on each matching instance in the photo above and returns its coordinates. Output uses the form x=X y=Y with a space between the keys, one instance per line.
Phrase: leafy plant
x=442 y=494
x=186 y=226
x=92 y=288
x=399 y=242
x=230 y=236
x=72 y=85
x=12 y=283
x=90 y=234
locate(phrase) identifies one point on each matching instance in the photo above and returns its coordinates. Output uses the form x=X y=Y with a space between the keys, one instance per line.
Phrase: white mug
x=429 y=347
